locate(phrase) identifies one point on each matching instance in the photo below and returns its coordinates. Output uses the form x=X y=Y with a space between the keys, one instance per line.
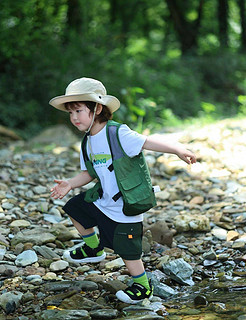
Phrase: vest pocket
x=133 y=189
x=128 y=240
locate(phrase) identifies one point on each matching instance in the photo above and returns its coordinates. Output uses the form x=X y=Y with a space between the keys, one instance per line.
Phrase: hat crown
x=85 y=85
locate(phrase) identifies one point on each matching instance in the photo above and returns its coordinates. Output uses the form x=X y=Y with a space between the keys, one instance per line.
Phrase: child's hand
x=187 y=156
x=61 y=189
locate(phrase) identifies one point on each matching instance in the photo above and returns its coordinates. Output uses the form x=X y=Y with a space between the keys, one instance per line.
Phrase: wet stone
x=179 y=270
x=63 y=315
x=26 y=258
x=104 y=314
x=9 y=301
x=66 y=285
x=58 y=265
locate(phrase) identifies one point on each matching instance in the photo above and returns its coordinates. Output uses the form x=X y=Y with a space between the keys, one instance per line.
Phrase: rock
x=161 y=233
x=61 y=232
x=104 y=314
x=37 y=236
x=53 y=134
x=78 y=302
x=219 y=233
x=71 y=285
x=2 y=251
x=189 y=222
x=7 y=205
x=8 y=270
x=50 y=276
x=146 y=246
x=210 y=255
x=39 y=189
x=63 y=315
x=113 y=286
x=114 y=264
x=20 y=224
x=59 y=265
x=197 y=200
x=160 y=289
x=179 y=270
x=46 y=252
x=200 y=301
x=162 y=195
x=232 y=235
x=26 y=258
x=9 y=301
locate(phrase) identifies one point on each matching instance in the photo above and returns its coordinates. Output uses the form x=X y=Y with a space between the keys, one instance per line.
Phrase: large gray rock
x=26 y=258
x=189 y=222
x=179 y=270
x=9 y=301
x=63 y=315
x=160 y=289
x=60 y=135
x=37 y=236
x=161 y=233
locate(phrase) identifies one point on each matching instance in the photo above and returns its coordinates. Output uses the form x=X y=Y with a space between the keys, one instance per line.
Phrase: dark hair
x=104 y=116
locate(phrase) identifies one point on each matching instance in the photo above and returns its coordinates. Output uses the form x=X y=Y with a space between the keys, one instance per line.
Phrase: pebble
x=20 y=223
x=59 y=265
x=9 y=301
x=26 y=258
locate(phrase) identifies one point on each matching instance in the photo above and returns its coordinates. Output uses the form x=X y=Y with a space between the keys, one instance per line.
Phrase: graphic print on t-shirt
x=100 y=160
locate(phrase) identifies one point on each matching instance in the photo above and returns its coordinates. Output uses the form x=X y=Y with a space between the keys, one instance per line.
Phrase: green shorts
x=124 y=238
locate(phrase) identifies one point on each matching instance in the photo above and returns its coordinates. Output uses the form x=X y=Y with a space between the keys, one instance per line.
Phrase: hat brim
x=110 y=101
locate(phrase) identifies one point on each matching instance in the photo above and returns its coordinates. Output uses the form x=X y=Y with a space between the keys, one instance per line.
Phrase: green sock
x=91 y=240
x=142 y=279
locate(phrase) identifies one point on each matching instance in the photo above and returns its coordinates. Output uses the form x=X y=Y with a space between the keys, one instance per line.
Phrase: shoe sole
x=123 y=297
x=66 y=256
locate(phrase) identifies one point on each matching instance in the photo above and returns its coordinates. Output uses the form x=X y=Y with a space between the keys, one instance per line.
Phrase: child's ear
x=99 y=109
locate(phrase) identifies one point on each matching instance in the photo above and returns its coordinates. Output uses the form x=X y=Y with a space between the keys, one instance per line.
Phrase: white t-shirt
x=132 y=143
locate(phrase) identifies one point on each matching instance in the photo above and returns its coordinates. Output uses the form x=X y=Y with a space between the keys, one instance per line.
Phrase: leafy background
x=168 y=61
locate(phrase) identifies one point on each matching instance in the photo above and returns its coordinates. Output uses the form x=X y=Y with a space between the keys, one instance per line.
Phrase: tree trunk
x=241 y=4
x=223 y=22
x=187 y=31
x=113 y=11
x=74 y=16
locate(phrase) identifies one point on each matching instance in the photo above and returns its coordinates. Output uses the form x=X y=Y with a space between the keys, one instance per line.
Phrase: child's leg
x=83 y=216
x=141 y=288
x=136 y=269
x=81 y=229
x=91 y=251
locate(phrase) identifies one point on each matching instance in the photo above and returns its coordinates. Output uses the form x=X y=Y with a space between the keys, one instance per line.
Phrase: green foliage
x=242 y=107
x=133 y=47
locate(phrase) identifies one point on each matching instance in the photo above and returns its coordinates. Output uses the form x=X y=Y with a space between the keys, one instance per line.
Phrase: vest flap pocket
x=131 y=182
x=133 y=189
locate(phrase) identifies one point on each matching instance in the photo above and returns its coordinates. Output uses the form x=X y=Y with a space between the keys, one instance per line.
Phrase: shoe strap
x=136 y=287
x=91 y=252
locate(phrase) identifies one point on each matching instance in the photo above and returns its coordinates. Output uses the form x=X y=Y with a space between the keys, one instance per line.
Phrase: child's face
x=80 y=116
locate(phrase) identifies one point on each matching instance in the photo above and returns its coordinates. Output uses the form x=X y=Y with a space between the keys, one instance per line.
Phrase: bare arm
x=155 y=143
x=64 y=186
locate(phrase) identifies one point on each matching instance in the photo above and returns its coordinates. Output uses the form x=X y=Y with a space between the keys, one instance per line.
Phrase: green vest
x=132 y=176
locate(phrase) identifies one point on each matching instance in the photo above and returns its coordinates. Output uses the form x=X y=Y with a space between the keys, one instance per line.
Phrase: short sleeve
x=131 y=141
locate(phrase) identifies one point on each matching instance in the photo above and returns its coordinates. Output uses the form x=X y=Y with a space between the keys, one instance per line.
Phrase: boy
x=90 y=108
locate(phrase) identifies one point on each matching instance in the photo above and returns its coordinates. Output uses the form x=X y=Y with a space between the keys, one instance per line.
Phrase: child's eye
x=78 y=111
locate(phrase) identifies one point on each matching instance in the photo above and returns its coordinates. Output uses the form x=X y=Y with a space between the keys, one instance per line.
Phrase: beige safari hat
x=86 y=89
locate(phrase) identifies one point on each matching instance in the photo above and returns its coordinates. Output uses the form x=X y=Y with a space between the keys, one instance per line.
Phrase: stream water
x=210 y=300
